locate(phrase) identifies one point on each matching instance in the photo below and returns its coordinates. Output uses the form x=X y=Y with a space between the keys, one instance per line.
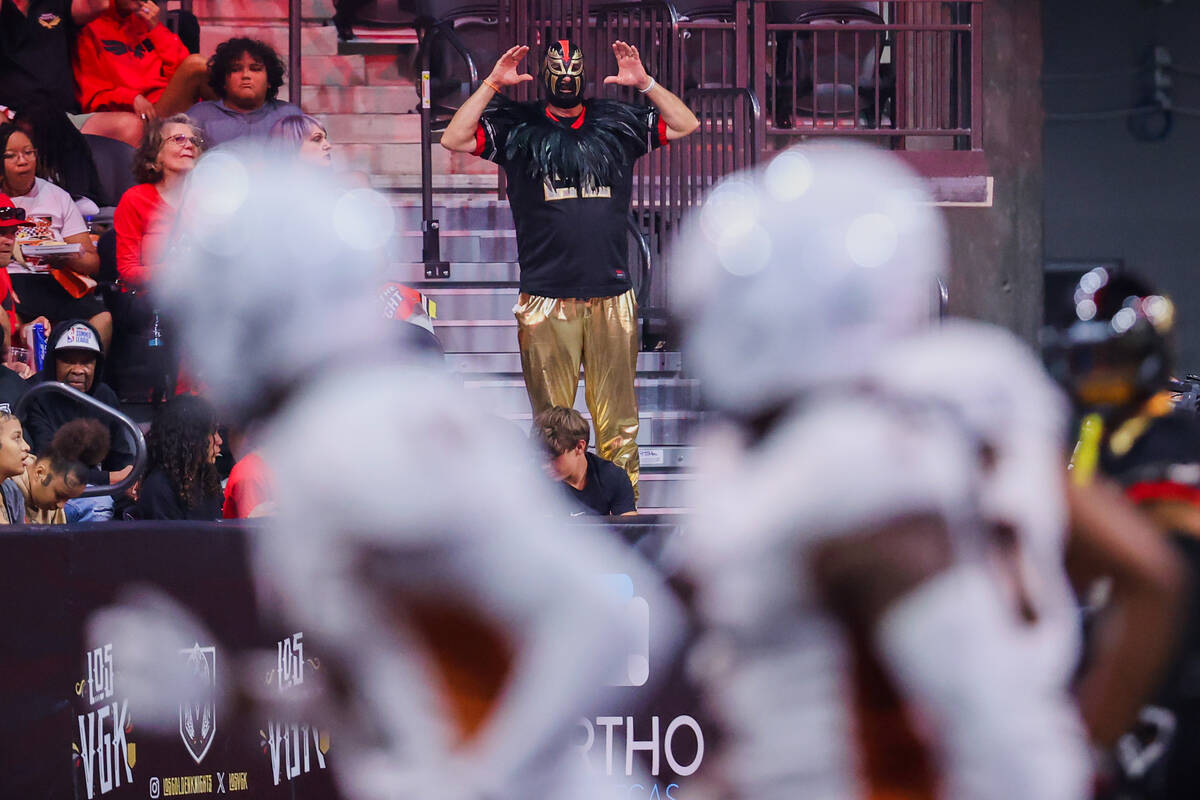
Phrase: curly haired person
x=246 y=75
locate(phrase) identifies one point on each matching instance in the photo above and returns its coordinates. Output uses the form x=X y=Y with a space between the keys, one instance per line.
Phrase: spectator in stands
x=248 y=492
x=11 y=218
x=14 y=455
x=35 y=50
x=75 y=357
x=598 y=485
x=12 y=384
x=306 y=136
x=126 y=61
x=147 y=210
x=59 y=473
x=66 y=292
x=182 y=482
x=245 y=74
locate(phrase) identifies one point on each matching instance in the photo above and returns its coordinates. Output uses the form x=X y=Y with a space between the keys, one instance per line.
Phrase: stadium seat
x=829 y=72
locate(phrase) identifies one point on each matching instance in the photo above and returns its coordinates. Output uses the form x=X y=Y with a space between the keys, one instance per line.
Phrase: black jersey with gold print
x=570 y=182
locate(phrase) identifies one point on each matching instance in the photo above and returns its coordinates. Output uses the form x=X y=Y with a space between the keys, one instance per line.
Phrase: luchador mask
x=562 y=73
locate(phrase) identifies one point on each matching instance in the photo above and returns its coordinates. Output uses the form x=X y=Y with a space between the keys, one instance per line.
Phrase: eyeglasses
x=10 y=214
x=180 y=139
x=29 y=154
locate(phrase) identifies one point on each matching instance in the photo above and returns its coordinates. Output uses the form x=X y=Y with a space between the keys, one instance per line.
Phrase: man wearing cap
x=74 y=356
x=569 y=162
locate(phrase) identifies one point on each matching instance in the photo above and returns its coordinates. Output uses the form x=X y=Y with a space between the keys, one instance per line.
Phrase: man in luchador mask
x=569 y=162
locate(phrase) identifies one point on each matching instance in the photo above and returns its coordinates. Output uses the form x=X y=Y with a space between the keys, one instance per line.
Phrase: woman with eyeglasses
x=147 y=211
x=55 y=287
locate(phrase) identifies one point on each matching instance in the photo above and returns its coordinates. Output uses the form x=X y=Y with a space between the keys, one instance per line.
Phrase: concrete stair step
x=670 y=458
x=654 y=394
x=475 y=214
x=480 y=335
x=460 y=245
x=446 y=182
x=372 y=128
x=477 y=336
x=209 y=11
x=471 y=303
x=316 y=39
x=656 y=428
x=338 y=99
x=487 y=272
x=662 y=491
x=478 y=365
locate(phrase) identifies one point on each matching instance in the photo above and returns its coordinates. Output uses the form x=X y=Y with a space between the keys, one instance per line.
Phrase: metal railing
x=892 y=70
x=889 y=70
x=135 y=433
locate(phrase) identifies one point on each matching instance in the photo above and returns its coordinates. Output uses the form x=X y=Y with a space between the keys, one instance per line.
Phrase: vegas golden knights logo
x=198 y=712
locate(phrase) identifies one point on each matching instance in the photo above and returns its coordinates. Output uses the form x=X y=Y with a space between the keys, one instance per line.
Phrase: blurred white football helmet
x=796 y=274
x=272 y=273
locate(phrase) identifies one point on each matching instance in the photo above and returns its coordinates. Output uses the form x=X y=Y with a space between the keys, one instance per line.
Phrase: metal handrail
x=295 y=79
x=445 y=29
x=641 y=287
x=431 y=246
x=139 y=441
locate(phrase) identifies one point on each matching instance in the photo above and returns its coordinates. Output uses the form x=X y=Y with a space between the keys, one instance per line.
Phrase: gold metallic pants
x=556 y=335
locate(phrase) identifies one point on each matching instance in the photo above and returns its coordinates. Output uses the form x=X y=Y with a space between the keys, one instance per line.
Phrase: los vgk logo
x=103 y=752
x=295 y=749
x=198 y=712
x=559 y=189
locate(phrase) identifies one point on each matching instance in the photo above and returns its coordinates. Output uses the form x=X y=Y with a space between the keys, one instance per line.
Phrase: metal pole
x=294 y=77
x=431 y=245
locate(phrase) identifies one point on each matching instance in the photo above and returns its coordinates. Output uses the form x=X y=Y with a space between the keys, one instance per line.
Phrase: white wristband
x=653 y=83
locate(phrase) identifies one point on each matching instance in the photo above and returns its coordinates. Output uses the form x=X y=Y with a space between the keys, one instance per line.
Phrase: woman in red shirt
x=147 y=211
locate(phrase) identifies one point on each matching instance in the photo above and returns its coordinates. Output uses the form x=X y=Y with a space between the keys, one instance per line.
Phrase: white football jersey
x=779 y=670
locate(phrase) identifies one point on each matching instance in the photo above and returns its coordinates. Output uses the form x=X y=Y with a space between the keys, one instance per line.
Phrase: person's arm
x=85 y=262
x=5 y=322
x=1134 y=634
x=679 y=119
x=169 y=47
x=96 y=87
x=129 y=222
x=622 y=503
x=945 y=640
x=460 y=135
x=84 y=11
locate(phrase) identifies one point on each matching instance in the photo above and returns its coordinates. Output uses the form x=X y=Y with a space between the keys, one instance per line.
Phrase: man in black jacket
x=74 y=356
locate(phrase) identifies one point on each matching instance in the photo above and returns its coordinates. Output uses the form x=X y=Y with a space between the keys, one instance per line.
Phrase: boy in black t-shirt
x=600 y=486
x=569 y=163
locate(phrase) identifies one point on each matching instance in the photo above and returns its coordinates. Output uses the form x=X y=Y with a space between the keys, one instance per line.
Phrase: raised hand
x=149 y=12
x=630 y=71
x=505 y=72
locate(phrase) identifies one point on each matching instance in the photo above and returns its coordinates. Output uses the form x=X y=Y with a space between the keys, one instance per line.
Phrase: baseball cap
x=11 y=216
x=78 y=337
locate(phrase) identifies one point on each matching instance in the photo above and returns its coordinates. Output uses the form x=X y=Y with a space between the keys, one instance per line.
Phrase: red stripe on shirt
x=1163 y=490
x=576 y=124
x=480 y=140
x=662 y=131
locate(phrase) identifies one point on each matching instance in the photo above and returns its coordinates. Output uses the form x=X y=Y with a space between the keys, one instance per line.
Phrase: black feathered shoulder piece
x=589 y=156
